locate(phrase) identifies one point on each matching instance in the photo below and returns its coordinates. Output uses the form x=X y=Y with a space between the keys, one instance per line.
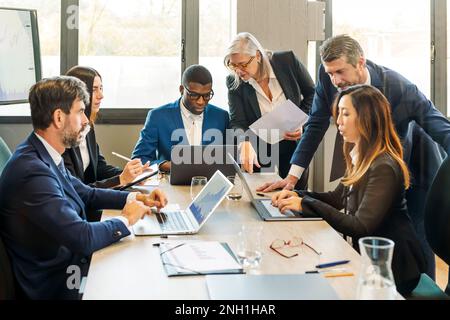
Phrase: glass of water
x=249 y=250
x=236 y=192
x=197 y=184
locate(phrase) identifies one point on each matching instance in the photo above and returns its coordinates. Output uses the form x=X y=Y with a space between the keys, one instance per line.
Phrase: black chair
x=7 y=286
x=437 y=229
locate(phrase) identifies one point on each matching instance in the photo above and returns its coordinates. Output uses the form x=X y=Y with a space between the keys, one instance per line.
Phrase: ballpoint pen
x=121 y=156
x=331 y=264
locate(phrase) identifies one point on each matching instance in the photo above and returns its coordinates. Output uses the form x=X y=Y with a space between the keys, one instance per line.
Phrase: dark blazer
x=98 y=174
x=418 y=123
x=376 y=206
x=43 y=221
x=297 y=86
x=156 y=140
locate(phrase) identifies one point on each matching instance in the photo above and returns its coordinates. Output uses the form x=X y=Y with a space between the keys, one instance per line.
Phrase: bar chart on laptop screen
x=17 y=65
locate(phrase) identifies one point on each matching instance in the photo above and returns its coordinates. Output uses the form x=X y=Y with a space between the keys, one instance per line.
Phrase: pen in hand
x=121 y=156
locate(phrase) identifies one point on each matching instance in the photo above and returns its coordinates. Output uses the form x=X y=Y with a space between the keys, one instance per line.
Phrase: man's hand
x=135 y=210
x=287 y=183
x=294 y=135
x=155 y=199
x=132 y=169
x=248 y=157
x=287 y=200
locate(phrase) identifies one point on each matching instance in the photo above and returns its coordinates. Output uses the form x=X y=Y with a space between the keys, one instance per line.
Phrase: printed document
x=272 y=126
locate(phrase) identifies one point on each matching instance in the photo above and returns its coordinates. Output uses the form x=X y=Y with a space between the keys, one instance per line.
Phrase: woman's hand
x=132 y=169
x=294 y=135
x=287 y=200
x=248 y=157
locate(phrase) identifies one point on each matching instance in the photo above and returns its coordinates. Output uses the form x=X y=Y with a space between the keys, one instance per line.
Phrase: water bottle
x=376 y=281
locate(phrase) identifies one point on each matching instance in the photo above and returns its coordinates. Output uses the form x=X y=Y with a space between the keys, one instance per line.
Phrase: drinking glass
x=236 y=192
x=249 y=250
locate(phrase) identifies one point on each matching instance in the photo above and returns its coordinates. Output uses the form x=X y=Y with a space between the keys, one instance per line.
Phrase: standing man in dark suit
x=416 y=120
x=259 y=81
x=43 y=207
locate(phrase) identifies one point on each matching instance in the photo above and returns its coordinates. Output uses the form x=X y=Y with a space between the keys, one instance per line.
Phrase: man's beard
x=72 y=139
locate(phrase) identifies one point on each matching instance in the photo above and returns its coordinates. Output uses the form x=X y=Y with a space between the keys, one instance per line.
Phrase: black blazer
x=297 y=86
x=376 y=206
x=98 y=174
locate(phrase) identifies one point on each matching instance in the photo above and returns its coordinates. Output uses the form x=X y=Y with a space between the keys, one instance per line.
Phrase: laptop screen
x=210 y=196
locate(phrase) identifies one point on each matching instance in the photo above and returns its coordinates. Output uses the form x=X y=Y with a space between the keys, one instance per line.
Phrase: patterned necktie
x=63 y=170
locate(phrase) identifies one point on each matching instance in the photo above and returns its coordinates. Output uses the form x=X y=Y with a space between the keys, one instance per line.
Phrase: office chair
x=7 y=286
x=437 y=229
x=5 y=154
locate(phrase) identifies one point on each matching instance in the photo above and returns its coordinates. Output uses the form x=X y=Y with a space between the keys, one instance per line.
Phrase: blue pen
x=331 y=264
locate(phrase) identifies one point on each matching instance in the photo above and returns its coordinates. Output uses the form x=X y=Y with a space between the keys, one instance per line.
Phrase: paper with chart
x=272 y=126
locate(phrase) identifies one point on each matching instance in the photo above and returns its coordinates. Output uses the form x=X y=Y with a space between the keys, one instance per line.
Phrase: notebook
x=270 y=287
x=190 y=220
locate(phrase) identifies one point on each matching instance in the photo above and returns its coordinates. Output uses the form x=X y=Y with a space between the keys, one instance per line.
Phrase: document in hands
x=198 y=257
x=272 y=126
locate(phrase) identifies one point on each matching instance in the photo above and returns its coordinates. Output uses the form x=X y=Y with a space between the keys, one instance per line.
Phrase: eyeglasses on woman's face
x=279 y=244
x=242 y=66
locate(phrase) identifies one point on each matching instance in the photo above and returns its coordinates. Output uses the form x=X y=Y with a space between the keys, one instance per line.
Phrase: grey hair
x=246 y=43
x=341 y=45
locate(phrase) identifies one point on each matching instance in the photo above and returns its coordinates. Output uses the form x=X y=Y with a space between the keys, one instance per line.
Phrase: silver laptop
x=264 y=207
x=187 y=221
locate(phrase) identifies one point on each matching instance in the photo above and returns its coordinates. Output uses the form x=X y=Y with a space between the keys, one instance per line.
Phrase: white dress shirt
x=57 y=158
x=193 y=125
x=296 y=170
x=265 y=104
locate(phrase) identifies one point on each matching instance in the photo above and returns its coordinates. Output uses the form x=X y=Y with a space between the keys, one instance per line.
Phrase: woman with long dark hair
x=372 y=191
x=86 y=161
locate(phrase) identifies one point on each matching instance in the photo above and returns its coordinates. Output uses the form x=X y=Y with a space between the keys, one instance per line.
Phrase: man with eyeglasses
x=189 y=120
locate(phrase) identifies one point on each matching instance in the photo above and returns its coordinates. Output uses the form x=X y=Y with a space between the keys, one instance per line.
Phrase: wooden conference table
x=132 y=269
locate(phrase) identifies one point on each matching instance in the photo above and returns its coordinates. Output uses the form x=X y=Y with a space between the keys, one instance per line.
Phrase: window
x=217 y=26
x=135 y=47
x=49 y=30
x=397 y=38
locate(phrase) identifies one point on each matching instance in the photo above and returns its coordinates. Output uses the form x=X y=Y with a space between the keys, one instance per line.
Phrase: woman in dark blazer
x=259 y=81
x=372 y=192
x=86 y=161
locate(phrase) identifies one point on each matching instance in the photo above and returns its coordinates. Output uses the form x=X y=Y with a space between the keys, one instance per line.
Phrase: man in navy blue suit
x=189 y=120
x=43 y=207
x=419 y=124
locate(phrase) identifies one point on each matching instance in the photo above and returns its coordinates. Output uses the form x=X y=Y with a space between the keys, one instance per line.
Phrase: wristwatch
x=160 y=165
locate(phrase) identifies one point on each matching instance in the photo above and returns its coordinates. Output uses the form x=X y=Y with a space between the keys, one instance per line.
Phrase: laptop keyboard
x=172 y=221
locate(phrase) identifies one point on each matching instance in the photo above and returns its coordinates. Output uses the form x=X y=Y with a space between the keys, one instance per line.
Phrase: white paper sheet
x=272 y=126
x=202 y=256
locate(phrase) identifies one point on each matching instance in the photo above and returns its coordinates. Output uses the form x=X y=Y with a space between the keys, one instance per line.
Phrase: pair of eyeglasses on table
x=278 y=244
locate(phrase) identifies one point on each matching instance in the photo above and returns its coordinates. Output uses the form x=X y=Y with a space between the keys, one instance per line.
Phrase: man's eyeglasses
x=294 y=242
x=195 y=96
x=241 y=66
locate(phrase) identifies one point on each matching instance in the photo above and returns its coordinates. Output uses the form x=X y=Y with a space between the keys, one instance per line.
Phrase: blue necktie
x=62 y=168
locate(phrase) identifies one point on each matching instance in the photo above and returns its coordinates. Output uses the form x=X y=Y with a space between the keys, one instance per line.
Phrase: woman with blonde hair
x=372 y=191
x=259 y=81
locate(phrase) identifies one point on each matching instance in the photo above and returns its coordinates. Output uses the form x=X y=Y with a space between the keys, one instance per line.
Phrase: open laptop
x=189 y=161
x=264 y=207
x=187 y=221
